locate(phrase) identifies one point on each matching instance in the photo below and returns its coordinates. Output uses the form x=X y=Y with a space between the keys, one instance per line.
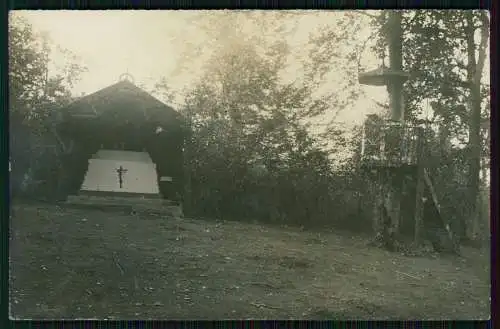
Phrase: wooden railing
x=390 y=144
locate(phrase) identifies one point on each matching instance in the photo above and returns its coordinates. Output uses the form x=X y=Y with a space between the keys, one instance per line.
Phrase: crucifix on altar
x=121 y=171
x=121 y=119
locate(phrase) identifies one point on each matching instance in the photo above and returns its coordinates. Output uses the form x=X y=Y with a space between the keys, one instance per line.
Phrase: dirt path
x=74 y=263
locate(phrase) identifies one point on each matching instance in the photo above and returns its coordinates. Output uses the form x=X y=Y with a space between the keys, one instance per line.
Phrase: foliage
x=447 y=65
x=247 y=120
x=250 y=154
x=254 y=151
x=33 y=96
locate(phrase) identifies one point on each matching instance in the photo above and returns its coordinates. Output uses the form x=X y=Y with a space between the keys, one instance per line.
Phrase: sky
x=113 y=42
x=149 y=45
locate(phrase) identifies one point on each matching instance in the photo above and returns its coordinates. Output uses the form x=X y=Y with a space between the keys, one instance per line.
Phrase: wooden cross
x=120 y=172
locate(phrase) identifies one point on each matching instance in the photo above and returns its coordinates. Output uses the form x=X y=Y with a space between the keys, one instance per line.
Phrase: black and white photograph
x=249 y=164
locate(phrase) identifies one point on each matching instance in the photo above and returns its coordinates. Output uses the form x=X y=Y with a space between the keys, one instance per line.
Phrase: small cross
x=120 y=172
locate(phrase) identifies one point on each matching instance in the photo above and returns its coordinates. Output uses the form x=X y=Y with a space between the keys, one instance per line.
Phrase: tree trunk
x=474 y=73
x=188 y=166
x=395 y=41
x=484 y=202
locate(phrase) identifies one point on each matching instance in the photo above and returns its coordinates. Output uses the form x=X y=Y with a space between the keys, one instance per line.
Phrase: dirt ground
x=78 y=263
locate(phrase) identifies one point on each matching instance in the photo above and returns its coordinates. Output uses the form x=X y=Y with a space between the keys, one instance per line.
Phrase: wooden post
x=394 y=88
x=395 y=42
x=395 y=195
x=419 y=194
x=187 y=167
x=377 y=206
x=435 y=201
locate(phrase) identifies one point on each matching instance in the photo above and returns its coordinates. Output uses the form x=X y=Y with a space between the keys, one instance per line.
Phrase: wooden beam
x=435 y=202
x=420 y=190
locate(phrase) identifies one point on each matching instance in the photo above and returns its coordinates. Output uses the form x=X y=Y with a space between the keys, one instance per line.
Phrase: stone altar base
x=129 y=202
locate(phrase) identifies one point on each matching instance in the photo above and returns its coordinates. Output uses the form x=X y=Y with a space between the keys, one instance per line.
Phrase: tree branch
x=461 y=65
x=382 y=105
x=367 y=14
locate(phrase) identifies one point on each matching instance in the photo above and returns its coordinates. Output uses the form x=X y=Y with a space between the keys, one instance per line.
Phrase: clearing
x=87 y=263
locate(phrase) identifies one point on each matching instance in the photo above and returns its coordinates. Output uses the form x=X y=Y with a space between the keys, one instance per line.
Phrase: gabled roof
x=125 y=99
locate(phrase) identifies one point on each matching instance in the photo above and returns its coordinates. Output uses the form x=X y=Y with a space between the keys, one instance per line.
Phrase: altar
x=121 y=172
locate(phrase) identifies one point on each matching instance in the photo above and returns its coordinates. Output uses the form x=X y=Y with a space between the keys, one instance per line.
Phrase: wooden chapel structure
x=122 y=119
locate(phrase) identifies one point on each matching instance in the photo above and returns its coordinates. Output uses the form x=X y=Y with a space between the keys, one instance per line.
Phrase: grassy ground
x=74 y=263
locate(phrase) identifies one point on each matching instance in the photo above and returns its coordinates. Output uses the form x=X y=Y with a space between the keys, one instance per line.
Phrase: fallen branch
x=117 y=263
x=367 y=14
x=63 y=283
x=136 y=285
x=263 y=284
x=409 y=275
x=258 y=305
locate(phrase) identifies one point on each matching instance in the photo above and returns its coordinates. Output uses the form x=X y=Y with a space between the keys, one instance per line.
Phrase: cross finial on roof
x=127 y=77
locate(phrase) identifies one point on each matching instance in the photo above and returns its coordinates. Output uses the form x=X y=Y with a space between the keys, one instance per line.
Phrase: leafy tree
x=249 y=147
x=219 y=30
x=446 y=65
x=34 y=94
x=445 y=54
x=163 y=91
